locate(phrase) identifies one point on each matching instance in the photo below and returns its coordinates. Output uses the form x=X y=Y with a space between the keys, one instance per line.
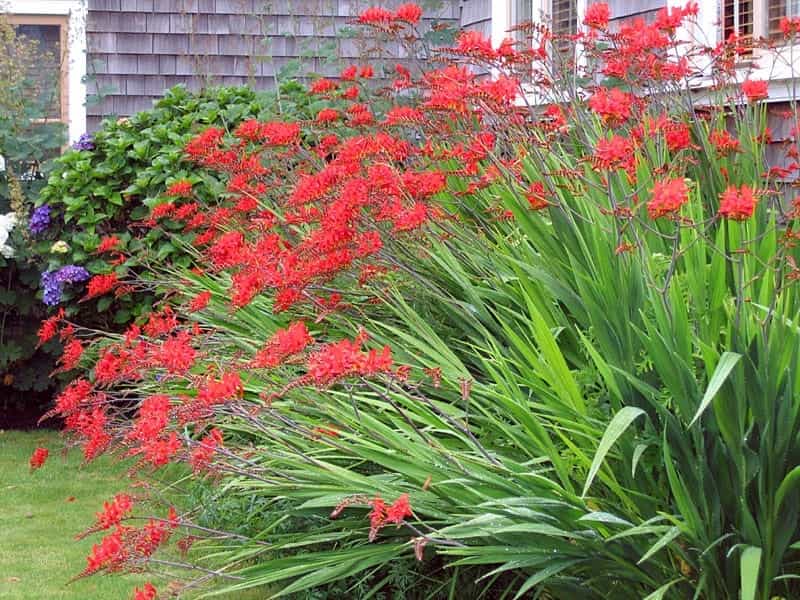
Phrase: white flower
x=60 y=247
x=7 y=222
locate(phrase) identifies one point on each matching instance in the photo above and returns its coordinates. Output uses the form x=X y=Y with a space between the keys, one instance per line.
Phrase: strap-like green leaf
x=616 y=428
x=725 y=365
x=748 y=568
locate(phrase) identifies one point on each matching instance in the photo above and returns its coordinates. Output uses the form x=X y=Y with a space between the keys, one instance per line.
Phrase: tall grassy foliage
x=542 y=350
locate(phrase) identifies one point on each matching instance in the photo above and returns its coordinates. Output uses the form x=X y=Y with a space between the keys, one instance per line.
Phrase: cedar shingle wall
x=139 y=48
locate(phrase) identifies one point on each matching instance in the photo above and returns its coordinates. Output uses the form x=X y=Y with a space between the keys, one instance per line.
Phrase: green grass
x=41 y=512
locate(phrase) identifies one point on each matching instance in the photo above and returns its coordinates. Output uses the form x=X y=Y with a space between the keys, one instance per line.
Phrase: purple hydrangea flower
x=52 y=288
x=85 y=142
x=40 y=220
x=72 y=274
x=53 y=282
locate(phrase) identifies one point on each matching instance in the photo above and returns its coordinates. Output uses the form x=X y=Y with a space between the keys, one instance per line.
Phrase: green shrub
x=107 y=190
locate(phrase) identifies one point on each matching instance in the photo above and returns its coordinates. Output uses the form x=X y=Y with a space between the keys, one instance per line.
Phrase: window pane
x=44 y=69
x=776 y=10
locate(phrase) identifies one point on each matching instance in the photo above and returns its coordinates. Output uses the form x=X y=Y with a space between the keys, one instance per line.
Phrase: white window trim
x=76 y=10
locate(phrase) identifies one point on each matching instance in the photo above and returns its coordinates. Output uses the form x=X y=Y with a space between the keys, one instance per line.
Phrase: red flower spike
x=376 y=16
x=107 y=244
x=38 y=458
x=200 y=301
x=148 y=592
x=737 y=204
x=100 y=285
x=180 y=189
x=377 y=517
x=755 y=89
x=49 y=327
x=399 y=510
x=667 y=197
x=410 y=13
x=597 y=16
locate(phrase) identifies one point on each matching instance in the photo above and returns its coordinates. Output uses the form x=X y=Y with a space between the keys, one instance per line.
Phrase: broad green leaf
x=616 y=428
x=665 y=539
x=725 y=365
x=789 y=482
x=659 y=593
x=750 y=563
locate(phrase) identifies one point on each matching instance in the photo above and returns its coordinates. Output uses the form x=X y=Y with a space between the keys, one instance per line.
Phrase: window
x=59 y=26
x=757 y=18
x=564 y=17
x=776 y=10
x=561 y=15
x=50 y=71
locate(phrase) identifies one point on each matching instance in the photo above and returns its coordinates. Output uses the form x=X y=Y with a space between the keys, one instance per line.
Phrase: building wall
x=139 y=48
x=477 y=15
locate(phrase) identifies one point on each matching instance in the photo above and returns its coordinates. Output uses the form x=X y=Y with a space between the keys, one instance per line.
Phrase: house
x=125 y=53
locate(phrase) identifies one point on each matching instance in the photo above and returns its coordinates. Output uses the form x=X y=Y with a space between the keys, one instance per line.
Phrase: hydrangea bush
x=536 y=332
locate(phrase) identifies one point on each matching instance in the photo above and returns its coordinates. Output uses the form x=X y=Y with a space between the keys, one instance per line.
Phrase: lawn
x=41 y=512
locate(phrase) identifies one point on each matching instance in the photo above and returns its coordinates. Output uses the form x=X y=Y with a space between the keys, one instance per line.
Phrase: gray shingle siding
x=139 y=48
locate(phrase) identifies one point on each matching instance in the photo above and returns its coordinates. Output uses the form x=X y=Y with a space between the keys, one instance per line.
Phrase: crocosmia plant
x=522 y=322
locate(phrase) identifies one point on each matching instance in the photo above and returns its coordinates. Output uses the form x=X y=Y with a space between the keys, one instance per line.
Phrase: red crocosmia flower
x=201 y=456
x=399 y=510
x=180 y=189
x=205 y=143
x=107 y=244
x=668 y=197
x=162 y=210
x=148 y=592
x=723 y=141
x=536 y=196
x=613 y=105
x=677 y=136
x=366 y=72
x=410 y=13
x=351 y=93
x=111 y=516
x=71 y=356
x=160 y=451
x=328 y=115
x=200 y=301
x=789 y=26
x=377 y=517
x=249 y=130
x=376 y=16
x=554 y=117
x=49 y=327
x=38 y=458
x=403 y=114
x=755 y=89
x=669 y=19
x=474 y=43
x=175 y=354
x=597 y=16
x=283 y=344
x=100 y=284
x=349 y=73
x=277 y=133
x=616 y=152
x=737 y=204
x=322 y=86
x=360 y=115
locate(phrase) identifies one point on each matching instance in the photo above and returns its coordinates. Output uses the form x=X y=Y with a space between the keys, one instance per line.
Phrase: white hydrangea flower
x=60 y=247
x=7 y=223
